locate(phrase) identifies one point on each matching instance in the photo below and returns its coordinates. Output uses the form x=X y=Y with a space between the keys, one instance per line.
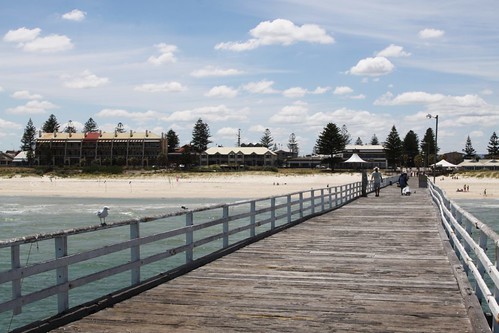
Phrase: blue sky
x=287 y=65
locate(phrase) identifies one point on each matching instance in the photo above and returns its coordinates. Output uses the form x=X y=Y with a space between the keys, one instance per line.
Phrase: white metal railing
x=477 y=247
x=136 y=251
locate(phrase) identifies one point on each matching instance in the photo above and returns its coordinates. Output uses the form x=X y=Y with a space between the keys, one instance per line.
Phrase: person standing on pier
x=377 y=178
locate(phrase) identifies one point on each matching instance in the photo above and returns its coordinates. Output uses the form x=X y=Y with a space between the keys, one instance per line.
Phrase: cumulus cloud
x=430 y=33
x=376 y=66
x=161 y=87
x=227 y=132
x=222 y=91
x=25 y=94
x=136 y=116
x=32 y=107
x=261 y=87
x=167 y=54
x=8 y=124
x=75 y=15
x=420 y=97
x=279 y=32
x=29 y=40
x=291 y=114
x=343 y=90
x=84 y=80
x=393 y=51
x=215 y=72
x=209 y=113
x=298 y=92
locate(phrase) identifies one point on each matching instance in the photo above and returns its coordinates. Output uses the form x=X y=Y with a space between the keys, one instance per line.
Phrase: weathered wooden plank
x=375 y=265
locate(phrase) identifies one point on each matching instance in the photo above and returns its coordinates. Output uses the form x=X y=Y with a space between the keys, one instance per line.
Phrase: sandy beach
x=476 y=188
x=237 y=185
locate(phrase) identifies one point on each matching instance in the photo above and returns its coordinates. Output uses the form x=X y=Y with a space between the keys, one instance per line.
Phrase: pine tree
x=266 y=140
x=358 y=142
x=410 y=148
x=200 y=136
x=70 y=128
x=90 y=126
x=493 y=147
x=346 y=136
x=428 y=146
x=173 y=140
x=468 y=150
x=293 y=145
x=393 y=148
x=374 y=140
x=28 y=141
x=51 y=125
x=330 y=142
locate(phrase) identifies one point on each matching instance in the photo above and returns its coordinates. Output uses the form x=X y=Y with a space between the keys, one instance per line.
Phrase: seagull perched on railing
x=102 y=213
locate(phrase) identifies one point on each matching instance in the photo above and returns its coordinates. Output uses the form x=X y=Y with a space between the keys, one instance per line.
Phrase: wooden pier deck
x=378 y=264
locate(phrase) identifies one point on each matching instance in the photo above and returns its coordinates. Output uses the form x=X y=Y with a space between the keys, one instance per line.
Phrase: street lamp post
x=429 y=116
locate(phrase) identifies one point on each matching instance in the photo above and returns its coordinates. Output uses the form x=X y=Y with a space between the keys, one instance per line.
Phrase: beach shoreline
x=468 y=188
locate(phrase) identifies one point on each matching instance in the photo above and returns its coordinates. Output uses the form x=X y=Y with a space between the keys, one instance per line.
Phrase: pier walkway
x=378 y=264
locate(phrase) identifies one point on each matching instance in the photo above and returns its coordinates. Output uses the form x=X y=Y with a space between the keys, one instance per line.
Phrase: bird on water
x=102 y=213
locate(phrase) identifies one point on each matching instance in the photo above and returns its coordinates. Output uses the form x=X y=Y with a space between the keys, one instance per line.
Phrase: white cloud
x=430 y=33
x=222 y=91
x=21 y=35
x=279 y=32
x=160 y=87
x=74 y=15
x=136 y=116
x=8 y=124
x=167 y=54
x=25 y=94
x=227 y=133
x=207 y=113
x=52 y=43
x=420 y=97
x=32 y=107
x=215 y=72
x=1 y=89
x=261 y=87
x=343 y=90
x=393 y=51
x=295 y=92
x=376 y=66
x=85 y=79
x=483 y=92
x=29 y=40
x=291 y=114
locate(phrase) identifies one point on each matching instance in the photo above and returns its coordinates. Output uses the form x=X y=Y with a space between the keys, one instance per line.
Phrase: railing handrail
x=459 y=224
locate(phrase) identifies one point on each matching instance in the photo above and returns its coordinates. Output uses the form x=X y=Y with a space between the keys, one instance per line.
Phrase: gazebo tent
x=445 y=164
x=355 y=159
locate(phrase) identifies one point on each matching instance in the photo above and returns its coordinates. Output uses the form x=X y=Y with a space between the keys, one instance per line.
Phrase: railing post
x=336 y=196
x=189 y=237
x=253 y=219
x=301 y=204
x=495 y=324
x=15 y=260
x=322 y=200
x=312 y=201
x=330 y=196
x=482 y=242
x=289 y=208
x=61 y=250
x=272 y=213
x=226 y=226
x=135 y=252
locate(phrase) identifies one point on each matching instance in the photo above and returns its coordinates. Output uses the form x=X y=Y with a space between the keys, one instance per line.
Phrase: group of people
x=403 y=181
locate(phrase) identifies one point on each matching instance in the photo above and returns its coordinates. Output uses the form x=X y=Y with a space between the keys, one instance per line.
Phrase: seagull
x=102 y=213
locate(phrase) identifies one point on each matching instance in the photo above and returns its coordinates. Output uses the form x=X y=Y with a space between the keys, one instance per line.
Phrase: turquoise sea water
x=22 y=216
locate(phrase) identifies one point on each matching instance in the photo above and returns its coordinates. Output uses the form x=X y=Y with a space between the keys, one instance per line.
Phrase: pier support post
x=364 y=183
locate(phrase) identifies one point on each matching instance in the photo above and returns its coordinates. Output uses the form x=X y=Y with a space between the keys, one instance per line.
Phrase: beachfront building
x=480 y=164
x=5 y=158
x=374 y=155
x=100 y=148
x=235 y=157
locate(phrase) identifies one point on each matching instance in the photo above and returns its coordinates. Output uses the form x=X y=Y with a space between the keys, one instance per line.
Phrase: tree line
x=409 y=152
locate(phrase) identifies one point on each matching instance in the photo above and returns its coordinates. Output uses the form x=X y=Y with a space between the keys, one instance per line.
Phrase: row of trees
x=409 y=152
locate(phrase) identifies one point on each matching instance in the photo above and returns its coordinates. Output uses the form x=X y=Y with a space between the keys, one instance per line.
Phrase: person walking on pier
x=377 y=178
x=403 y=182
